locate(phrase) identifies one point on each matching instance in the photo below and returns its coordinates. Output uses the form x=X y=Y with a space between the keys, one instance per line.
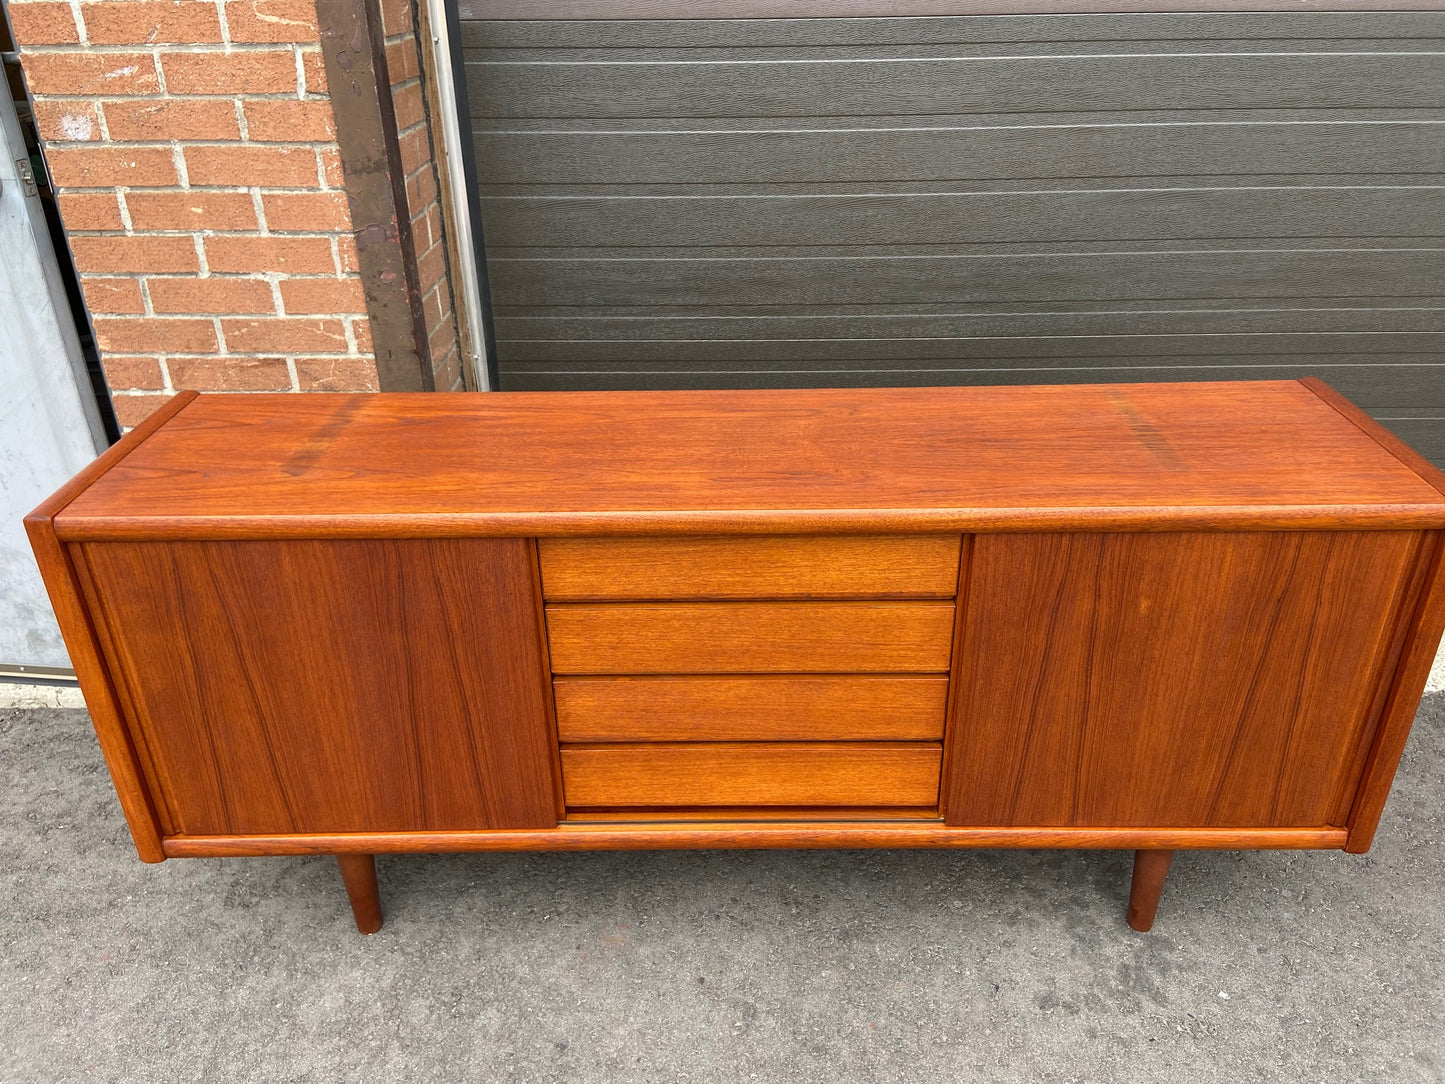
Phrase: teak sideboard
x=1130 y=616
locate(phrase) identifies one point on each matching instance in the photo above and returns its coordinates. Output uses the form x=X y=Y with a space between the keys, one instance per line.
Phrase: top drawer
x=768 y=566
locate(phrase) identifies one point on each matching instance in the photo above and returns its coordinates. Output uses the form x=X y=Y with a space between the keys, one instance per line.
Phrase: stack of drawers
x=722 y=675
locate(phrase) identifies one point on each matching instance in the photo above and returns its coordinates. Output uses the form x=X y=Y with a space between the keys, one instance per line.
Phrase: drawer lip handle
x=757 y=567
x=751 y=707
x=710 y=774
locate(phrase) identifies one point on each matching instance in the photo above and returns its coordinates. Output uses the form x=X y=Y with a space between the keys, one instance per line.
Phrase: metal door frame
x=471 y=292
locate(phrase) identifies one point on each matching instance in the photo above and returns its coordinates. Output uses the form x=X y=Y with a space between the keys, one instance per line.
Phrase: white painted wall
x=49 y=425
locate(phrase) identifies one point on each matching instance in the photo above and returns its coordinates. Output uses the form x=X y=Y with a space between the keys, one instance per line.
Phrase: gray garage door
x=978 y=199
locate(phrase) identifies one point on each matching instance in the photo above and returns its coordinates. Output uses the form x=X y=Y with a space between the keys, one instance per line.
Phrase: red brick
x=421 y=189
x=230 y=374
x=409 y=105
x=149 y=22
x=144 y=254
x=435 y=231
x=448 y=372
x=91 y=73
x=322 y=296
x=431 y=266
x=331 y=167
x=112 y=295
x=131 y=410
x=361 y=332
x=295 y=255
x=313 y=71
x=110 y=167
x=306 y=212
x=402 y=62
x=432 y=308
x=396 y=17
x=270 y=71
x=150 y=334
x=243 y=164
x=337 y=374
x=211 y=295
x=290 y=121
x=426 y=227
x=192 y=210
x=90 y=211
x=442 y=339
x=43 y=24
x=415 y=150
x=272 y=20
x=284 y=335
x=63 y=121
x=155 y=121
x=124 y=372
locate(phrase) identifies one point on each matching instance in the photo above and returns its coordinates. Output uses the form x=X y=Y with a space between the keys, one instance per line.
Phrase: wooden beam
x=353 y=47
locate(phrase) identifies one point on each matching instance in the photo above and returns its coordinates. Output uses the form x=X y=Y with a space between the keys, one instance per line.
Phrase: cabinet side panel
x=335 y=686
x=1192 y=679
x=1405 y=687
x=101 y=699
x=78 y=626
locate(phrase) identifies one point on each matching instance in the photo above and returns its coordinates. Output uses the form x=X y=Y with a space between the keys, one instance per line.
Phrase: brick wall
x=418 y=163
x=192 y=145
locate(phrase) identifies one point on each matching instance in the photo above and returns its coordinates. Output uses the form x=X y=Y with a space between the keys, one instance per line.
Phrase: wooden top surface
x=1117 y=456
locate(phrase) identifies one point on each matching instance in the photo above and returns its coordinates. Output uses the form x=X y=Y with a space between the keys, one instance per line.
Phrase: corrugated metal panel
x=973 y=199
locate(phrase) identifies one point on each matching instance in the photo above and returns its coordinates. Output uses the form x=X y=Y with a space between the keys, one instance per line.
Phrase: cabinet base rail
x=746 y=835
x=1151 y=868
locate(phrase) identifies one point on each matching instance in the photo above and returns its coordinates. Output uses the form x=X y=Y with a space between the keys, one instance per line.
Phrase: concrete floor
x=755 y=966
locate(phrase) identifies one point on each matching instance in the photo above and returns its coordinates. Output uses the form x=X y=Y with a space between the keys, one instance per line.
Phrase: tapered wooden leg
x=1150 y=869
x=358 y=871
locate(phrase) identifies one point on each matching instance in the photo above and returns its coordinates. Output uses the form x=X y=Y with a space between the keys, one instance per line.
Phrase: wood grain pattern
x=1154 y=691
x=791 y=707
x=728 y=835
x=1378 y=433
x=156 y=795
x=1382 y=357
x=1151 y=868
x=674 y=815
x=751 y=774
x=358 y=873
x=78 y=630
x=880 y=460
x=1185 y=679
x=1421 y=428
x=1422 y=639
x=1405 y=687
x=539 y=612
x=721 y=567
x=334 y=686
x=749 y=637
x=1388 y=382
